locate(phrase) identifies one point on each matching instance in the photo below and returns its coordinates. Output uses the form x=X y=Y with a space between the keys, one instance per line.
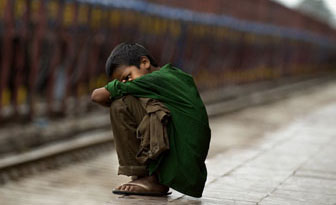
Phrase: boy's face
x=128 y=73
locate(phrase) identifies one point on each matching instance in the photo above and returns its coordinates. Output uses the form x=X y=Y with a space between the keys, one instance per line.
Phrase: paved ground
x=281 y=153
x=295 y=165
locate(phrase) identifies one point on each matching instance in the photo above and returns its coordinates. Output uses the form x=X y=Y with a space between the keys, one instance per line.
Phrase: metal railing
x=53 y=51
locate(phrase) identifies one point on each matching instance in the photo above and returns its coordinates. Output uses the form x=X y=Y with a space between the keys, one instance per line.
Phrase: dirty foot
x=146 y=186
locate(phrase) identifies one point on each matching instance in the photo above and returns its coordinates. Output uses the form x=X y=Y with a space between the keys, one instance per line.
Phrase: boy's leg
x=126 y=114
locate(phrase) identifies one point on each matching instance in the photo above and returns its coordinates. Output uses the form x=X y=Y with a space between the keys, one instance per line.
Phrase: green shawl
x=182 y=167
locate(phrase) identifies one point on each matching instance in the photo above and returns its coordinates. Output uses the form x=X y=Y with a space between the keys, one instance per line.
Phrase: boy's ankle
x=137 y=177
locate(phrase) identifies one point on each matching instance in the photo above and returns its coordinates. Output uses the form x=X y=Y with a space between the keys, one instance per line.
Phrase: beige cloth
x=140 y=133
x=152 y=130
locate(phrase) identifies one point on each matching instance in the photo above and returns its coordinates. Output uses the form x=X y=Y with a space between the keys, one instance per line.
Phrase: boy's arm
x=140 y=87
x=101 y=96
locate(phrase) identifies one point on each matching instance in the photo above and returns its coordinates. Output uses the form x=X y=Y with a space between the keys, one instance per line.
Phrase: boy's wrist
x=114 y=88
x=106 y=87
x=110 y=86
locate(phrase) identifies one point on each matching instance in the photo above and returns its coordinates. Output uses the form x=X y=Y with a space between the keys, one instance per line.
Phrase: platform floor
x=280 y=153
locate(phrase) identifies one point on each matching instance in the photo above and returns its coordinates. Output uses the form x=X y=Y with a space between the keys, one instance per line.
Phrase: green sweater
x=182 y=167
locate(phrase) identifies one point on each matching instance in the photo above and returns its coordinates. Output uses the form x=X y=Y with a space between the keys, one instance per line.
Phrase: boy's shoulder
x=167 y=75
x=169 y=68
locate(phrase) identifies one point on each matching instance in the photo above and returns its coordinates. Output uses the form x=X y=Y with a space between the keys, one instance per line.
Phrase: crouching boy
x=159 y=122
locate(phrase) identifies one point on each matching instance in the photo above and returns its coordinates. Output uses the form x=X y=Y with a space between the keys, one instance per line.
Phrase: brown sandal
x=147 y=191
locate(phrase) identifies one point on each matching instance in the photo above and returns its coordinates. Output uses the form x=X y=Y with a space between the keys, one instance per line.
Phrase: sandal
x=146 y=191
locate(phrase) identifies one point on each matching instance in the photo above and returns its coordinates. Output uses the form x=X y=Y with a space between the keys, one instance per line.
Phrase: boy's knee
x=130 y=100
x=127 y=107
x=117 y=106
x=121 y=104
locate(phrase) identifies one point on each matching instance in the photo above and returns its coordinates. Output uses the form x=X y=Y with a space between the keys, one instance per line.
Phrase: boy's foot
x=146 y=186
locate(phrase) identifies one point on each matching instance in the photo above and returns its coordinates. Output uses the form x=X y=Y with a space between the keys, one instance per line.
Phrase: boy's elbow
x=95 y=96
x=101 y=96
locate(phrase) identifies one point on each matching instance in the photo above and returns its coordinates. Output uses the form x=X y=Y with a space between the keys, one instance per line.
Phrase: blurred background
x=53 y=53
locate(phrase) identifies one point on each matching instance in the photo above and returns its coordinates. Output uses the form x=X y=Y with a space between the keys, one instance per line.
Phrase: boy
x=159 y=123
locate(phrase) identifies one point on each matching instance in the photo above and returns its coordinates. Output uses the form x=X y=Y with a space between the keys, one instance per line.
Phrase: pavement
x=279 y=153
x=295 y=165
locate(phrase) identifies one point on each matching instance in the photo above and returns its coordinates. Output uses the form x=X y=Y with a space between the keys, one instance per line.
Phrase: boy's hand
x=101 y=96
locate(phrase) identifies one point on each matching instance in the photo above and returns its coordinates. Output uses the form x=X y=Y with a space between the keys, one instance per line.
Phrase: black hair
x=127 y=54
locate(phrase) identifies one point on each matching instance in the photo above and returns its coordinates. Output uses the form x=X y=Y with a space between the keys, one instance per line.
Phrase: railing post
x=38 y=18
x=7 y=52
x=22 y=22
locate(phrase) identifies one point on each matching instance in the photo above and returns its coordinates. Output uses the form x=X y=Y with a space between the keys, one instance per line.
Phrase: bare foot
x=148 y=184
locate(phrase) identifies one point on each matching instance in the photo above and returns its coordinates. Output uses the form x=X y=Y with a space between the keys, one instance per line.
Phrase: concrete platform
x=280 y=153
x=295 y=165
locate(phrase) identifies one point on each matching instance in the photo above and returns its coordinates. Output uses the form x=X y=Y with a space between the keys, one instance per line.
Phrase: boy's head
x=128 y=61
